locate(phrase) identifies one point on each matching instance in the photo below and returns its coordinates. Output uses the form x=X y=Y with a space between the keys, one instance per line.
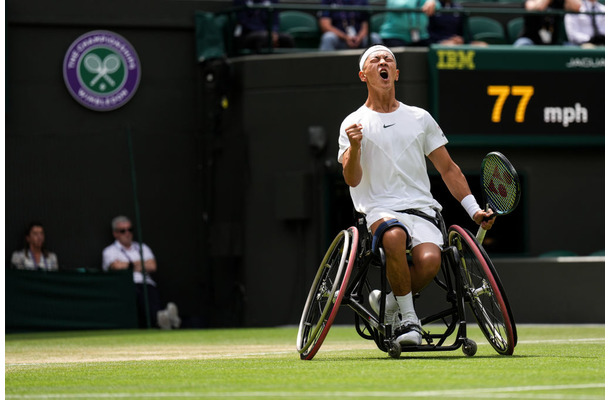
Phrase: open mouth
x=384 y=74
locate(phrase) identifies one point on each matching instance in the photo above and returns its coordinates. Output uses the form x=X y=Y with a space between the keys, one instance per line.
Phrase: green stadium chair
x=377 y=21
x=558 y=253
x=487 y=30
x=210 y=35
x=514 y=28
x=598 y=253
x=302 y=26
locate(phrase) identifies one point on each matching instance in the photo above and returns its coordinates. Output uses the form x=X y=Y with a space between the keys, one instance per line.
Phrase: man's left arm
x=150 y=262
x=456 y=183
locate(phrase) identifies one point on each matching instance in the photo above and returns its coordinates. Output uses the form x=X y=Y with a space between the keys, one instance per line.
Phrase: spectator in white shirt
x=124 y=253
x=587 y=30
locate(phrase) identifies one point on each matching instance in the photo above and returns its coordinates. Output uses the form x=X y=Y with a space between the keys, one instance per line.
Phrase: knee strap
x=377 y=237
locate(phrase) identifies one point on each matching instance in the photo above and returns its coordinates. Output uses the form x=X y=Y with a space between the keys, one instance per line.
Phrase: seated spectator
x=587 y=30
x=448 y=28
x=408 y=28
x=544 y=29
x=123 y=254
x=345 y=29
x=252 y=30
x=34 y=254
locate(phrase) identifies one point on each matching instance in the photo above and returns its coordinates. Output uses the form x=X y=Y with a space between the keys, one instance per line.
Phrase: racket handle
x=481 y=232
x=481 y=235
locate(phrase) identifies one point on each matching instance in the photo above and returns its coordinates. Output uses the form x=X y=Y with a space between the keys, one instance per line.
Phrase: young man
x=382 y=147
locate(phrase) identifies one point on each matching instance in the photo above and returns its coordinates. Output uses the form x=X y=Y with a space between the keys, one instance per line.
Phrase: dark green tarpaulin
x=53 y=301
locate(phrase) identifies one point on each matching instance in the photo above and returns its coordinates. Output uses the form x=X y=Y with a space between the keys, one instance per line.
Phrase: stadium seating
x=302 y=26
x=487 y=30
x=376 y=22
x=514 y=28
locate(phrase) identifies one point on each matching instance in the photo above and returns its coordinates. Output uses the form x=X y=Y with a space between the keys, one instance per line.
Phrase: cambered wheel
x=326 y=293
x=484 y=292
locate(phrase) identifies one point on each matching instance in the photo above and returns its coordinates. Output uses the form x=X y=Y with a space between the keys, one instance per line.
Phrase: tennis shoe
x=392 y=313
x=172 y=313
x=163 y=320
x=409 y=334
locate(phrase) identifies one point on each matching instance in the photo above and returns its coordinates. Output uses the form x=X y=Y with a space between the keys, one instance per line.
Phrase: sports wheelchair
x=466 y=275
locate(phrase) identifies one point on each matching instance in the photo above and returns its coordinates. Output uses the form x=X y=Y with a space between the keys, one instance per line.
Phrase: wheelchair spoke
x=483 y=292
x=321 y=305
x=491 y=322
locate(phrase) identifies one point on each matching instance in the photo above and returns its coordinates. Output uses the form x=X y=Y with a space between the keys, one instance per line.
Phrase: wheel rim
x=483 y=295
x=319 y=299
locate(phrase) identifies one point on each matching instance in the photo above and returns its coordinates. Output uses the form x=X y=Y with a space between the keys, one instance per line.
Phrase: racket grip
x=481 y=235
x=481 y=232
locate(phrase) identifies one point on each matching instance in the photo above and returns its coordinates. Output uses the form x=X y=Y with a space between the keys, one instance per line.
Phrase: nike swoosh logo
x=387 y=126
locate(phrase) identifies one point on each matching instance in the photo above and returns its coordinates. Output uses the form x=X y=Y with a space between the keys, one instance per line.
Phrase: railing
x=467 y=11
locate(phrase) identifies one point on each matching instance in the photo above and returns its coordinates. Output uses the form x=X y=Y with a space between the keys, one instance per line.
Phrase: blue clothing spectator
x=408 y=28
x=252 y=30
x=448 y=28
x=345 y=29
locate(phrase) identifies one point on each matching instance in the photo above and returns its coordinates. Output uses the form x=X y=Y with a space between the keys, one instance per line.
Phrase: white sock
x=405 y=303
x=390 y=300
x=390 y=304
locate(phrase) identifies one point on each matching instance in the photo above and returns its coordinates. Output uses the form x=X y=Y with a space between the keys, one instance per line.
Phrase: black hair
x=28 y=229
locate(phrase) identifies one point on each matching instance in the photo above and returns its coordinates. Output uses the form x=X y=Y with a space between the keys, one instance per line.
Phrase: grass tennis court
x=550 y=362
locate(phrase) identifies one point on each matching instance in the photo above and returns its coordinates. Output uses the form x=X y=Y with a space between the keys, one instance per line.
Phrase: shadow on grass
x=421 y=357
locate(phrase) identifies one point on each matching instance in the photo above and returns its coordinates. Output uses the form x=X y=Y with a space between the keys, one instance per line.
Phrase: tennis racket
x=500 y=185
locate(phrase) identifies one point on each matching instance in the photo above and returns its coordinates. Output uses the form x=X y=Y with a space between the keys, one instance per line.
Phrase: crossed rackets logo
x=101 y=74
x=101 y=70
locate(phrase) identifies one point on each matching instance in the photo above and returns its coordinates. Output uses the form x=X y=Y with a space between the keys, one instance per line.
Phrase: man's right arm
x=110 y=260
x=352 y=170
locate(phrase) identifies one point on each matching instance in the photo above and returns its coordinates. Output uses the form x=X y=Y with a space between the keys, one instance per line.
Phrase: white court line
x=488 y=393
x=561 y=341
x=284 y=352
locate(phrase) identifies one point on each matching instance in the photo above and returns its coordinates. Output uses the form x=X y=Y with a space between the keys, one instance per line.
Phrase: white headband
x=372 y=49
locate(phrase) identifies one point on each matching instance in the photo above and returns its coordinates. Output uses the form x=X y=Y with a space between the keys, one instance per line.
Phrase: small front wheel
x=395 y=350
x=469 y=347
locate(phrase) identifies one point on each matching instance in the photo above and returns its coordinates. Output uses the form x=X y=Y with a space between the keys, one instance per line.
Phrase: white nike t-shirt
x=393 y=159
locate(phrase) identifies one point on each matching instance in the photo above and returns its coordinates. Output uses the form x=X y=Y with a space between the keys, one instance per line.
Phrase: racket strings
x=501 y=187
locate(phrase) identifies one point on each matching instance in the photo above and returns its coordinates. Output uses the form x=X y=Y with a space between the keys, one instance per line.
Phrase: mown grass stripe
x=492 y=393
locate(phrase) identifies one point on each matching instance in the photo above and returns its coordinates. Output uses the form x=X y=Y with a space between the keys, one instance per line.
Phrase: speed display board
x=537 y=94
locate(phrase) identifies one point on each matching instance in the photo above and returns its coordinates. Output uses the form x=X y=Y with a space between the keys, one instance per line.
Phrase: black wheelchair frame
x=467 y=276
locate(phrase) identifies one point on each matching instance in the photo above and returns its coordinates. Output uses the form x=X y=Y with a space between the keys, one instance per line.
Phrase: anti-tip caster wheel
x=469 y=347
x=395 y=350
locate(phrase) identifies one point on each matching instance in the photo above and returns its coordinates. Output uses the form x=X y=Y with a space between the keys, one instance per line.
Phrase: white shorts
x=421 y=230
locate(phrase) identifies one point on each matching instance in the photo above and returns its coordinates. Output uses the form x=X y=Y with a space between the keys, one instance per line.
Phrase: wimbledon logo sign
x=101 y=70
